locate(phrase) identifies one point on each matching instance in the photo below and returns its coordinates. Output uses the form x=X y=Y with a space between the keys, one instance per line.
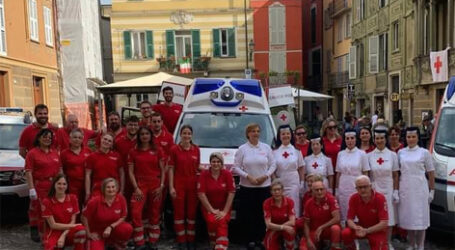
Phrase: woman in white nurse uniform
x=289 y=165
x=317 y=163
x=416 y=193
x=351 y=163
x=384 y=175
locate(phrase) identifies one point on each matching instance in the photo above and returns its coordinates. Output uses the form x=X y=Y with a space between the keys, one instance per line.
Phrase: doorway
x=3 y=92
x=38 y=93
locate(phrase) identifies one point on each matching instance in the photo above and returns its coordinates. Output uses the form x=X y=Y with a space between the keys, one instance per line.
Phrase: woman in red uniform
x=146 y=173
x=301 y=141
x=184 y=163
x=73 y=161
x=331 y=140
x=216 y=190
x=279 y=219
x=394 y=139
x=59 y=210
x=104 y=218
x=42 y=164
x=366 y=140
x=102 y=164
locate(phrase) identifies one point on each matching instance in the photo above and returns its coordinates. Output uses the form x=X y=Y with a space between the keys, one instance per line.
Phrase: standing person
x=279 y=219
x=72 y=123
x=73 y=162
x=416 y=192
x=365 y=141
x=184 y=162
x=394 y=139
x=216 y=190
x=301 y=141
x=351 y=163
x=104 y=218
x=427 y=131
x=42 y=164
x=59 y=210
x=146 y=112
x=290 y=167
x=146 y=174
x=370 y=208
x=28 y=135
x=317 y=163
x=102 y=164
x=331 y=140
x=384 y=174
x=374 y=118
x=321 y=219
x=169 y=110
x=114 y=127
x=255 y=164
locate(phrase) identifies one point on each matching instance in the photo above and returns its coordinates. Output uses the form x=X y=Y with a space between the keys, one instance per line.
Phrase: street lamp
x=251 y=49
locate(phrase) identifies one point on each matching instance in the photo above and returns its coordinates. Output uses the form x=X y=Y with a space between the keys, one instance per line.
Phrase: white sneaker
x=391 y=247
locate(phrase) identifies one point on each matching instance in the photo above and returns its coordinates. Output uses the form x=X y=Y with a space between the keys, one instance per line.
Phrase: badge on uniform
x=117 y=211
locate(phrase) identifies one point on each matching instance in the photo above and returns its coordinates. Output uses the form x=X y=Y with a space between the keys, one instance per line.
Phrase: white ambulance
x=442 y=149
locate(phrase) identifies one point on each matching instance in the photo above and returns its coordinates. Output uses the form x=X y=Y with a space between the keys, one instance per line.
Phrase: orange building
x=28 y=56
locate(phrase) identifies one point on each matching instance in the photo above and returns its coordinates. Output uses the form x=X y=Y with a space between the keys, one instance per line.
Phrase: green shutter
x=127 y=44
x=170 y=43
x=216 y=43
x=149 y=38
x=231 y=42
x=196 y=43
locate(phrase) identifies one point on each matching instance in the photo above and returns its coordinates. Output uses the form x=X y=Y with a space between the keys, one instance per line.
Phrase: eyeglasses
x=362 y=187
x=332 y=127
x=301 y=133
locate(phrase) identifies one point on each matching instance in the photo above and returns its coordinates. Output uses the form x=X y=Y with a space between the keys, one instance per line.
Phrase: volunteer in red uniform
x=279 y=219
x=104 y=218
x=72 y=123
x=102 y=164
x=170 y=111
x=309 y=179
x=28 y=135
x=146 y=173
x=322 y=219
x=41 y=165
x=73 y=162
x=370 y=208
x=365 y=140
x=114 y=126
x=60 y=210
x=216 y=190
x=301 y=141
x=184 y=162
x=146 y=112
x=331 y=140
x=394 y=139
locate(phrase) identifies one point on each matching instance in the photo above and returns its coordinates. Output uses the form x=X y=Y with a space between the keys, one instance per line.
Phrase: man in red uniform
x=370 y=208
x=28 y=135
x=146 y=111
x=321 y=219
x=63 y=134
x=170 y=111
x=114 y=126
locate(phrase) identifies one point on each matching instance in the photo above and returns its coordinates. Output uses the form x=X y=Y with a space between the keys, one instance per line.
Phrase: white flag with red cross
x=439 y=66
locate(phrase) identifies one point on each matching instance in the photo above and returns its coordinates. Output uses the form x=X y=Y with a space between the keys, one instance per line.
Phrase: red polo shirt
x=100 y=215
x=216 y=190
x=370 y=213
x=44 y=166
x=306 y=197
x=61 y=211
x=303 y=148
x=278 y=215
x=104 y=165
x=123 y=145
x=319 y=214
x=170 y=114
x=370 y=149
x=165 y=141
x=63 y=137
x=74 y=164
x=331 y=149
x=28 y=136
x=146 y=164
x=397 y=149
x=185 y=162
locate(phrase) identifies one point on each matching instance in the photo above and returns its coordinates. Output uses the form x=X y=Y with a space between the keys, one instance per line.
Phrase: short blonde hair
x=250 y=127
x=275 y=182
x=217 y=155
x=105 y=182
x=314 y=177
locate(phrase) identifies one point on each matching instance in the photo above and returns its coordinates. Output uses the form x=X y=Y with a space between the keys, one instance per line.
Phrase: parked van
x=442 y=149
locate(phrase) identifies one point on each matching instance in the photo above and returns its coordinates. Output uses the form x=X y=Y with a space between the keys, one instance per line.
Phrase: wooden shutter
x=196 y=37
x=216 y=43
x=170 y=47
x=373 y=54
x=149 y=41
x=352 y=62
x=127 y=44
x=231 y=42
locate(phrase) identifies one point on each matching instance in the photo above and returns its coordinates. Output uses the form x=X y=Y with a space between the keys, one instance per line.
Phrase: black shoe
x=251 y=246
x=34 y=234
x=152 y=246
x=181 y=246
x=143 y=247
x=191 y=246
x=260 y=245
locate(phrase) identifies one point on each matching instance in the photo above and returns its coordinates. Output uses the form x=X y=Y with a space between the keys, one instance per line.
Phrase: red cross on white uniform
x=243 y=108
x=285 y=154
x=315 y=165
x=380 y=161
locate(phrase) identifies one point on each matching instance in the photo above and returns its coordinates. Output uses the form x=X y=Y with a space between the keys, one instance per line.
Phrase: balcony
x=340 y=7
x=199 y=64
x=339 y=80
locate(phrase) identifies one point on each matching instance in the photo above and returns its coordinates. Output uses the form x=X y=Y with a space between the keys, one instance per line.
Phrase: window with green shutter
x=224 y=42
x=170 y=47
x=216 y=43
x=231 y=42
x=150 y=51
x=195 y=34
x=127 y=44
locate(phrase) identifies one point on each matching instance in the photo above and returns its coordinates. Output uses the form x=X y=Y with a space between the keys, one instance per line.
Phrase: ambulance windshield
x=225 y=130
x=445 y=137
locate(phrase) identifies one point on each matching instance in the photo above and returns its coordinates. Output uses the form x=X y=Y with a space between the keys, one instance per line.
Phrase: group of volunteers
x=289 y=194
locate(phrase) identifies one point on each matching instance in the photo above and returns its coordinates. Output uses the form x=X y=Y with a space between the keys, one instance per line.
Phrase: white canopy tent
x=306 y=95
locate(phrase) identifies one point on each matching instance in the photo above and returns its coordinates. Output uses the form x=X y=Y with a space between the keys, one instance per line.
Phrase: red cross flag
x=439 y=66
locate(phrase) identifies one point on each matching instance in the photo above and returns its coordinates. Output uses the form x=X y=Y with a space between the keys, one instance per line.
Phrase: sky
x=105 y=2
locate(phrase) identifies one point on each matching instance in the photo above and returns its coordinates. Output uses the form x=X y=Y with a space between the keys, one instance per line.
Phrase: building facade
x=28 y=56
x=194 y=37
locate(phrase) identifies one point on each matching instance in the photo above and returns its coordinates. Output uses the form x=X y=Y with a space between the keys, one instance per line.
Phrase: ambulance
x=442 y=149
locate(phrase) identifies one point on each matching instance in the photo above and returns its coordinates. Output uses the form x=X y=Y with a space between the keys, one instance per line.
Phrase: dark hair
x=113 y=113
x=132 y=118
x=394 y=128
x=41 y=133
x=145 y=102
x=386 y=136
x=278 y=141
x=343 y=143
x=156 y=114
x=52 y=191
x=168 y=88
x=413 y=128
x=40 y=106
x=186 y=126
x=359 y=141
x=310 y=150
x=138 y=139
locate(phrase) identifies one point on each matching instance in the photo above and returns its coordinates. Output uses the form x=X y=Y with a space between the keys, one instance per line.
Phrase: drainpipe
x=59 y=60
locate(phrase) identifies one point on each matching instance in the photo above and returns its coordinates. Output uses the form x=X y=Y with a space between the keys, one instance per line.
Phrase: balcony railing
x=340 y=6
x=339 y=79
x=200 y=64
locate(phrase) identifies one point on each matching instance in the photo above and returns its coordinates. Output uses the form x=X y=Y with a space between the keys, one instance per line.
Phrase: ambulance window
x=445 y=138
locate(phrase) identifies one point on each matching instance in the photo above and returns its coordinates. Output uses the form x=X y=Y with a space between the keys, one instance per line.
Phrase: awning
x=306 y=95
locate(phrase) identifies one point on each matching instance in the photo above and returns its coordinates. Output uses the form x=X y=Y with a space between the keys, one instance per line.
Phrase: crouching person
x=321 y=219
x=279 y=219
x=370 y=208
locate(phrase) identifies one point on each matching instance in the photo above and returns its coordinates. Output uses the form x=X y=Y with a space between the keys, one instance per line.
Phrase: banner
x=179 y=92
x=439 y=66
x=280 y=96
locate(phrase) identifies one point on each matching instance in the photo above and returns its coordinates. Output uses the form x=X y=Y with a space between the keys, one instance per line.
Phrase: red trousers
x=77 y=187
x=153 y=211
x=332 y=233
x=185 y=208
x=119 y=238
x=377 y=241
x=274 y=240
x=217 y=229
x=42 y=188
x=76 y=237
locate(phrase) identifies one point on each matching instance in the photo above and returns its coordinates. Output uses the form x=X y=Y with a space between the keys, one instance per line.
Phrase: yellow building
x=156 y=35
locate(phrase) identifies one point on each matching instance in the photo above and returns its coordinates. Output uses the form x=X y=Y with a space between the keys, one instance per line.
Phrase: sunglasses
x=301 y=133
x=332 y=127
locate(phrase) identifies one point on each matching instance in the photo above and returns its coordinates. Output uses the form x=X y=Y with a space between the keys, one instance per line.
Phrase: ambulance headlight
x=213 y=95
x=239 y=96
x=227 y=93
